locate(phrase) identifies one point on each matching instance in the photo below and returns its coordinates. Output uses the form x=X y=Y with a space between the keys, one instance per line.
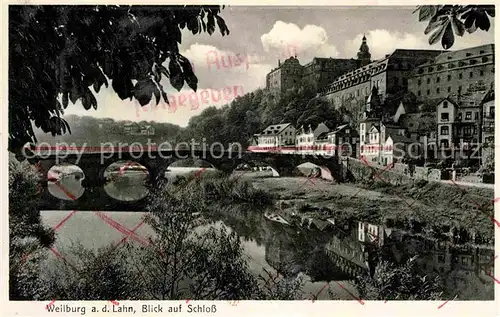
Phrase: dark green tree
x=446 y=21
x=56 y=53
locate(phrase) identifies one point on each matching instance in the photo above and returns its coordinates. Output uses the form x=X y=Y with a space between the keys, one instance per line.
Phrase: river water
x=318 y=252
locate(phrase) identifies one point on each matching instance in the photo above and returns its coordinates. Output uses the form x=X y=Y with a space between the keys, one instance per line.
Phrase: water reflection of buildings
x=290 y=252
x=457 y=265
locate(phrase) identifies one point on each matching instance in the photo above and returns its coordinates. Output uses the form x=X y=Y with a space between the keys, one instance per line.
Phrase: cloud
x=222 y=76
x=287 y=39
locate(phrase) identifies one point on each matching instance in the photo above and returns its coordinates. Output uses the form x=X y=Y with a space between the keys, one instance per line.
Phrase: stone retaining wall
x=399 y=174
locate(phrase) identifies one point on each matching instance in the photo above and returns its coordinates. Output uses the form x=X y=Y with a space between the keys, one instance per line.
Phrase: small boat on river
x=276 y=218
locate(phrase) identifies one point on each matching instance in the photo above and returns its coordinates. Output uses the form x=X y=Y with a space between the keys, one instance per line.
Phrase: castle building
x=319 y=72
x=322 y=71
x=286 y=76
x=390 y=75
x=454 y=72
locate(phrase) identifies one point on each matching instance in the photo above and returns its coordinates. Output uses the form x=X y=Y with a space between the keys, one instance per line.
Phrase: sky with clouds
x=260 y=36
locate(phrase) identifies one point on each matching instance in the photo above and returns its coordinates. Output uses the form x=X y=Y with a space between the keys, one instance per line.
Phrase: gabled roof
x=275 y=129
x=375 y=126
x=397 y=138
x=340 y=128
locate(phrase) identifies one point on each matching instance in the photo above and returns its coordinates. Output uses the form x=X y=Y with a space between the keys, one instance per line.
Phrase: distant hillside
x=95 y=131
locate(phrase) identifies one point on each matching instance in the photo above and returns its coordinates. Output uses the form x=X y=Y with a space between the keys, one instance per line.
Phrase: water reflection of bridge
x=94 y=165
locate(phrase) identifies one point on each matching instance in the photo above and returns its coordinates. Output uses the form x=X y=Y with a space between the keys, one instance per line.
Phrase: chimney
x=279 y=63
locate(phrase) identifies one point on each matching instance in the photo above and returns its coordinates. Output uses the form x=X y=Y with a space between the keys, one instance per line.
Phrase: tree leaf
x=433 y=24
x=123 y=86
x=436 y=36
x=483 y=22
x=88 y=100
x=157 y=95
x=162 y=70
x=187 y=70
x=427 y=12
x=144 y=90
x=222 y=26
x=210 y=24
x=176 y=76
x=457 y=25
x=489 y=9
x=74 y=94
x=65 y=99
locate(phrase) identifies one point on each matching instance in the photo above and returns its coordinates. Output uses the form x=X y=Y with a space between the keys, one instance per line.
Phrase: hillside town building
x=410 y=103
x=390 y=76
x=453 y=73
x=277 y=135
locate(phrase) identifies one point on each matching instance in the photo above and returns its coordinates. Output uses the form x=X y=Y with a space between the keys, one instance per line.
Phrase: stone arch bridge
x=94 y=165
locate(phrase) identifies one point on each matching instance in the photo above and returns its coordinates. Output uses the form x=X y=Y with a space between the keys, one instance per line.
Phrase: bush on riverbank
x=402 y=282
x=210 y=187
x=29 y=239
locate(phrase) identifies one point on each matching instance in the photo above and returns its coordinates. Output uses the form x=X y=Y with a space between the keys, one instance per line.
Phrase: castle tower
x=364 y=52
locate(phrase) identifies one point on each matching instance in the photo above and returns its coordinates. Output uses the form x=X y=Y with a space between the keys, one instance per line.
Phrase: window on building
x=481 y=73
x=474 y=132
x=467 y=130
x=476 y=115
x=492 y=112
x=428 y=92
x=471 y=74
x=419 y=93
x=438 y=79
x=459 y=117
x=445 y=144
x=428 y=80
x=468 y=115
x=468 y=54
x=481 y=52
x=441 y=258
x=459 y=90
x=420 y=82
x=431 y=69
x=460 y=76
x=445 y=130
x=437 y=90
x=449 y=89
x=445 y=116
x=449 y=77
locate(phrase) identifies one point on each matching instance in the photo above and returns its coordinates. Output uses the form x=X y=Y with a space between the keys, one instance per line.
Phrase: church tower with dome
x=364 y=53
